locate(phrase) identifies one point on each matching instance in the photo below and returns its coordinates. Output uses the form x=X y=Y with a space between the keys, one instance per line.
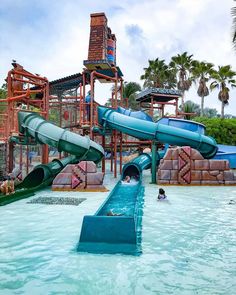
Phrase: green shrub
x=223 y=130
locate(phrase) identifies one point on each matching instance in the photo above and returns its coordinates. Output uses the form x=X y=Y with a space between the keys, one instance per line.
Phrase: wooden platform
x=104 y=67
x=97 y=64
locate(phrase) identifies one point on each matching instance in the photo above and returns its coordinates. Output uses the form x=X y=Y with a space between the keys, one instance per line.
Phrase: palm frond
x=233 y=13
x=214 y=85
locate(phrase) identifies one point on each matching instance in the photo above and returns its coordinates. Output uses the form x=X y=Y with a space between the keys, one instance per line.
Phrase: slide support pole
x=154 y=161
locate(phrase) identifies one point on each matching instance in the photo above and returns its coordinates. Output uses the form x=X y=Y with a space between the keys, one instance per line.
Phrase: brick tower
x=102 y=44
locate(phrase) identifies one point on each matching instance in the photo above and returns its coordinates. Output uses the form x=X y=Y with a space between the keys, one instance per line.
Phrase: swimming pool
x=188 y=245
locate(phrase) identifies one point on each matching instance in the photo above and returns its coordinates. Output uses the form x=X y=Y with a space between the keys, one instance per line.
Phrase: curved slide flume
x=225 y=152
x=135 y=114
x=80 y=147
x=122 y=234
x=156 y=131
x=142 y=162
x=31 y=124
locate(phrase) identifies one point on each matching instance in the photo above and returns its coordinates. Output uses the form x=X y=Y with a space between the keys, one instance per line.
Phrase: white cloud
x=54 y=41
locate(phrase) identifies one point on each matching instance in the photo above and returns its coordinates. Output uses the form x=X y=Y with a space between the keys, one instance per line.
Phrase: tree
x=233 y=13
x=3 y=91
x=54 y=116
x=3 y=95
x=210 y=113
x=108 y=103
x=202 y=71
x=158 y=74
x=130 y=90
x=224 y=77
x=223 y=131
x=182 y=63
x=229 y=116
x=190 y=107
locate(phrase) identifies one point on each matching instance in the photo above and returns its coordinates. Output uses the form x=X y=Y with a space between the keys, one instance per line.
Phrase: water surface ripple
x=188 y=244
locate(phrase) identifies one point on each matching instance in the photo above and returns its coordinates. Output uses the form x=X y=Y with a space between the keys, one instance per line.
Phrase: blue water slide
x=183 y=124
x=156 y=131
x=135 y=114
x=120 y=232
x=227 y=152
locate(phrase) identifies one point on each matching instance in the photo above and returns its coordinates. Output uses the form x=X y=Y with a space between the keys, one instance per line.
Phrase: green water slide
x=44 y=132
x=81 y=147
x=146 y=130
x=31 y=124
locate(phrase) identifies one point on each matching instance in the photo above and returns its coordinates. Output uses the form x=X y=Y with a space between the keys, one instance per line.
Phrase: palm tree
x=192 y=108
x=223 y=77
x=202 y=71
x=130 y=90
x=233 y=12
x=159 y=75
x=182 y=64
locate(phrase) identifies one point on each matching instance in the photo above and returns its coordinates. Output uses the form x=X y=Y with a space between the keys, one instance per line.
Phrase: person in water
x=161 y=195
x=110 y=213
x=127 y=179
x=232 y=202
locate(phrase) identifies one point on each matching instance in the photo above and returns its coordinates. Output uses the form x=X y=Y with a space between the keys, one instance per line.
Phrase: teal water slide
x=31 y=124
x=44 y=132
x=101 y=233
x=147 y=130
x=133 y=124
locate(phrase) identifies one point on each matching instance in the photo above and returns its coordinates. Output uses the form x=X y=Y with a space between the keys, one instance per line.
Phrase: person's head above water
x=109 y=213
x=161 y=191
x=127 y=178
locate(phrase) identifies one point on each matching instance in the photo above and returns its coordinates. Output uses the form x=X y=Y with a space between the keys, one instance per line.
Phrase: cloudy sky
x=51 y=37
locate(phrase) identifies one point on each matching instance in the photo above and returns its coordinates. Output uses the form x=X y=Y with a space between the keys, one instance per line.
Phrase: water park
x=79 y=205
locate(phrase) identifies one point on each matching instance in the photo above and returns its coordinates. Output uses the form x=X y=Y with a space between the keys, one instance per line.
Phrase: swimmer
x=232 y=202
x=161 y=195
x=110 y=213
x=127 y=179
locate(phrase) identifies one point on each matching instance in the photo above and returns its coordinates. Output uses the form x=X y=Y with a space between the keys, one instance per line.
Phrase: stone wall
x=184 y=165
x=79 y=177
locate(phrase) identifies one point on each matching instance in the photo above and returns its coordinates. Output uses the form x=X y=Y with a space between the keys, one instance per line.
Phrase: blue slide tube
x=146 y=130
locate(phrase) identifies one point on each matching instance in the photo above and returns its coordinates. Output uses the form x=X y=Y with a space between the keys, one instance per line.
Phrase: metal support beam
x=104 y=158
x=115 y=153
x=45 y=153
x=11 y=156
x=154 y=161
x=121 y=150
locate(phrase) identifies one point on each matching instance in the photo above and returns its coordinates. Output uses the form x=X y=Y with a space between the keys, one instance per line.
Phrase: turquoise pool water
x=122 y=200
x=188 y=244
